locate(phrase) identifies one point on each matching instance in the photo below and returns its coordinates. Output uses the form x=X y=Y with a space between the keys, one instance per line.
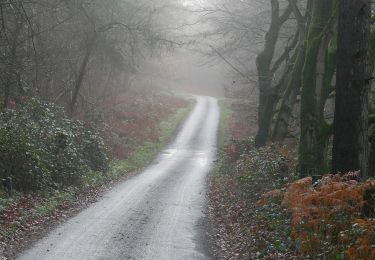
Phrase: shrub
x=258 y=169
x=243 y=174
x=327 y=220
x=41 y=149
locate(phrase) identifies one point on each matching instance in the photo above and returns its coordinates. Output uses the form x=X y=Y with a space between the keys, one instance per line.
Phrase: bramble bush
x=41 y=149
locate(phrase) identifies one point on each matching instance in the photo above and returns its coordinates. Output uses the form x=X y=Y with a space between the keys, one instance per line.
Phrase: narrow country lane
x=155 y=215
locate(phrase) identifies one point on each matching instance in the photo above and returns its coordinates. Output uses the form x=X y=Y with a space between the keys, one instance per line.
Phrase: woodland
x=302 y=181
x=296 y=160
x=66 y=70
x=71 y=120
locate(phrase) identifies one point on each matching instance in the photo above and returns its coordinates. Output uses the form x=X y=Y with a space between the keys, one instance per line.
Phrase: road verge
x=26 y=218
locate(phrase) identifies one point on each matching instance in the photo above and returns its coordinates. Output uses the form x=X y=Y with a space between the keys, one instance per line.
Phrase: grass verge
x=147 y=152
x=23 y=217
x=242 y=174
x=261 y=210
x=224 y=127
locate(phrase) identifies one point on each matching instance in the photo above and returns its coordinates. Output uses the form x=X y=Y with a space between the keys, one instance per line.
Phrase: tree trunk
x=288 y=100
x=350 y=145
x=314 y=130
x=372 y=106
x=265 y=74
x=12 y=71
x=82 y=72
x=293 y=87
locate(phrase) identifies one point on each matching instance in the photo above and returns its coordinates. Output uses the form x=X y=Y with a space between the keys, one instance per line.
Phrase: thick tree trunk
x=350 y=145
x=372 y=106
x=314 y=130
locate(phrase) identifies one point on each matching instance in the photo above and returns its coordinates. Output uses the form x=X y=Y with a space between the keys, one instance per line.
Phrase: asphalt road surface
x=154 y=215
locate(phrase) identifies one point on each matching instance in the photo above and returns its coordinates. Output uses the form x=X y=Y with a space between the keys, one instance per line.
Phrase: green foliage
x=270 y=165
x=41 y=149
x=226 y=115
x=256 y=230
x=22 y=213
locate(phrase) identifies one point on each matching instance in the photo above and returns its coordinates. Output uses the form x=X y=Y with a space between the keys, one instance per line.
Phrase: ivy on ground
x=260 y=209
x=41 y=149
x=244 y=229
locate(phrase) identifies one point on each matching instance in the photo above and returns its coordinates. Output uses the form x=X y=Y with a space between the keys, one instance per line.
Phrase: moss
x=330 y=67
x=372 y=48
x=371 y=118
x=288 y=100
x=314 y=130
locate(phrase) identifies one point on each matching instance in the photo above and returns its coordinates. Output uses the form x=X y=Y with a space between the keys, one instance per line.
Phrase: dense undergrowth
x=332 y=219
x=244 y=173
x=261 y=210
x=58 y=164
x=41 y=149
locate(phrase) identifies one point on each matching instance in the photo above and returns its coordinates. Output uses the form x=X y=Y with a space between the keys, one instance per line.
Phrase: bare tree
x=64 y=50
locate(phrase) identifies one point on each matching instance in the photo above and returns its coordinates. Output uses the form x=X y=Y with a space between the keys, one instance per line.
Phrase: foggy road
x=154 y=215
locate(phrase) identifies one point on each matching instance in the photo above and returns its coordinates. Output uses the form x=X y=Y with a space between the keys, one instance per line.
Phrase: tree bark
x=288 y=100
x=350 y=145
x=82 y=72
x=265 y=73
x=284 y=113
x=12 y=71
x=314 y=130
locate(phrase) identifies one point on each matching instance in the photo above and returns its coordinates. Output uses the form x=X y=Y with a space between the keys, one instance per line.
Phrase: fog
x=182 y=70
x=114 y=114
x=187 y=66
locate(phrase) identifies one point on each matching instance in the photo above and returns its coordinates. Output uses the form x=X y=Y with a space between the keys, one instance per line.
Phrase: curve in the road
x=155 y=214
